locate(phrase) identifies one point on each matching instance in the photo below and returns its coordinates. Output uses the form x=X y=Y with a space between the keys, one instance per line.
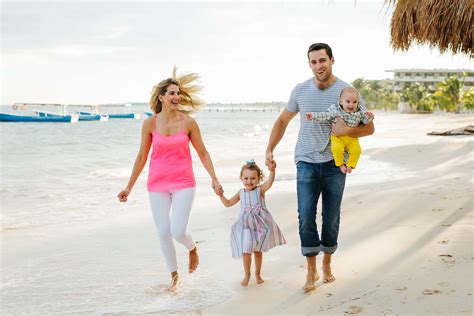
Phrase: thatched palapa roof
x=446 y=24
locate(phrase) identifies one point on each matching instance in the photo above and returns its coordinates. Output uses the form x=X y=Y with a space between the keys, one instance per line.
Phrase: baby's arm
x=366 y=117
x=319 y=116
x=230 y=202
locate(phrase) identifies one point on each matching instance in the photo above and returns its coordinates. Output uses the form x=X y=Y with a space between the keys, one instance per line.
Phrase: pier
x=242 y=108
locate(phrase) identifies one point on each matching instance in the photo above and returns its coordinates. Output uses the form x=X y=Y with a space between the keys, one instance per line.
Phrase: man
x=316 y=172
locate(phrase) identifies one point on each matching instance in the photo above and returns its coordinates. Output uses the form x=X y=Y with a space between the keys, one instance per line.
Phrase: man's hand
x=339 y=128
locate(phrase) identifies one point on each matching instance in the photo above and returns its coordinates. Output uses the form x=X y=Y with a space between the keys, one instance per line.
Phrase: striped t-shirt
x=313 y=139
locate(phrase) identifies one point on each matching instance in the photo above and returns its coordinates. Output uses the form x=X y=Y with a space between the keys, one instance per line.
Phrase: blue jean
x=313 y=180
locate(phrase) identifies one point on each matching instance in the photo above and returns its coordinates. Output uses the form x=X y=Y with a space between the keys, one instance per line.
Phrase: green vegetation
x=449 y=95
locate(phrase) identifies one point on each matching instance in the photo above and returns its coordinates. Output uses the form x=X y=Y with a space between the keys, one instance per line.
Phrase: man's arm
x=277 y=133
x=340 y=128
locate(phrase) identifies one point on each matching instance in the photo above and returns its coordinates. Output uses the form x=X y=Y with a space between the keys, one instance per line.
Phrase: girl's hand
x=309 y=116
x=217 y=187
x=123 y=195
x=272 y=166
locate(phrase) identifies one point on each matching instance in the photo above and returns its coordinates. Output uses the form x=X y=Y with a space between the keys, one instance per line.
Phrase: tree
x=468 y=98
x=448 y=94
x=418 y=96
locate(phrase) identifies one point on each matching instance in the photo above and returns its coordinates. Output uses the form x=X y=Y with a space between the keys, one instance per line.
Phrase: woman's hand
x=217 y=187
x=123 y=195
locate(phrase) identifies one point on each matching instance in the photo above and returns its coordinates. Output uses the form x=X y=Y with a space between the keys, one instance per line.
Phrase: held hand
x=339 y=128
x=269 y=160
x=272 y=166
x=217 y=187
x=309 y=116
x=123 y=195
x=370 y=115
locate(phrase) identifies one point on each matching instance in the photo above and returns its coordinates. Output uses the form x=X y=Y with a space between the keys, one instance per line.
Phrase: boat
x=89 y=116
x=126 y=115
x=7 y=117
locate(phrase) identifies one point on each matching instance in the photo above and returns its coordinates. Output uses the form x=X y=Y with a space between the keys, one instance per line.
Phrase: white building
x=429 y=77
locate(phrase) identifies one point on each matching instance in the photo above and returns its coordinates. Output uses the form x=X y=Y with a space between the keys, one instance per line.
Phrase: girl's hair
x=253 y=167
x=188 y=90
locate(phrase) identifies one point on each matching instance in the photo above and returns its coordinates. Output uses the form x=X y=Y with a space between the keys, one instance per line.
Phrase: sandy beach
x=405 y=245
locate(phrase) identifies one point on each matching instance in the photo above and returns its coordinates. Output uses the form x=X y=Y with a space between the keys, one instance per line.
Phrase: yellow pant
x=339 y=144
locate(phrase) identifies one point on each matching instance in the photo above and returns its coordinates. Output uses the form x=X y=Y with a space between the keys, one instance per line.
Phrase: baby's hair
x=349 y=89
x=253 y=167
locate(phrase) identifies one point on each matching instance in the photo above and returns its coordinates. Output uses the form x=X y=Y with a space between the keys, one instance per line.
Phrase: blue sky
x=110 y=51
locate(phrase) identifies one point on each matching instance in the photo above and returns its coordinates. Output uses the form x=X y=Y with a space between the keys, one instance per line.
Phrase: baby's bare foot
x=343 y=168
x=245 y=281
x=349 y=169
x=310 y=284
x=259 y=279
x=193 y=260
x=328 y=277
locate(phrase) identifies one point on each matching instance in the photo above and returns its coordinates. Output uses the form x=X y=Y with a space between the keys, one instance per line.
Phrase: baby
x=348 y=109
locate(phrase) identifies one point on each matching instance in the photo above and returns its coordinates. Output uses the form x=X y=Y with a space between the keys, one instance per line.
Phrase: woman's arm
x=198 y=144
x=230 y=202
x=141 y=159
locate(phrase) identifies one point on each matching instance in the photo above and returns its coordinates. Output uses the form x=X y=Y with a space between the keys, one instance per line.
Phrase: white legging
x=161 y=203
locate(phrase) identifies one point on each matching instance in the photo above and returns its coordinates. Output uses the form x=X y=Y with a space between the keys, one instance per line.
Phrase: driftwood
x=468 y=130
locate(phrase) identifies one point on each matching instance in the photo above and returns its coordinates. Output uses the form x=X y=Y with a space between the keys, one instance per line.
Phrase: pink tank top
x=171 y=167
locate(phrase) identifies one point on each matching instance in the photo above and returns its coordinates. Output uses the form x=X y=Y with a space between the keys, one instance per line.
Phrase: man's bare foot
x=343 y=169
x=310 y=284
x=175 y=283
x=349 y=169
x=327 y=275
x=259 y=279
x=193 y=260
x=245 y=281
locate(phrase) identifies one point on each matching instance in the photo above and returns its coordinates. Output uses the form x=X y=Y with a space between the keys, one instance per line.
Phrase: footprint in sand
x=401 y=288
x=443 y=242
x=354 y=310
x=437 y=209
x=431 y=291
x=444 y=258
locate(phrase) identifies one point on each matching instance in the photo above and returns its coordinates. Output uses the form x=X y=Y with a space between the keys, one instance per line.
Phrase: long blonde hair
x=188 y=89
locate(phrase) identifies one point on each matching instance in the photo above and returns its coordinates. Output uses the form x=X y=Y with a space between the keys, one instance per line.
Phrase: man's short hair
x=318 y=46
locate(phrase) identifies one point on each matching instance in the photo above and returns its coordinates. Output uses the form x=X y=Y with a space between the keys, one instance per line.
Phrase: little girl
x=255 y=231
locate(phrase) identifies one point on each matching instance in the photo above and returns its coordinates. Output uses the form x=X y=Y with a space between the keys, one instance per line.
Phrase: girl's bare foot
x=349 y=169
x=310 y=284
x=343 y=169
x=327 y=275
x=193 y=260
x=245 y=280
x=259 y=279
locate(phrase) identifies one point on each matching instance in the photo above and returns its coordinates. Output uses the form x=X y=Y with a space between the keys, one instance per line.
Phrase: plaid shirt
x=335 y=110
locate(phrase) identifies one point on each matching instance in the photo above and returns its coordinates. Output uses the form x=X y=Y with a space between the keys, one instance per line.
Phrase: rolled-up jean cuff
x=310 y=251
x=329 y=250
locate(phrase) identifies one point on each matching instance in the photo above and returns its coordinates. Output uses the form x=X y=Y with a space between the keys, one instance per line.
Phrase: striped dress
x=255 y=229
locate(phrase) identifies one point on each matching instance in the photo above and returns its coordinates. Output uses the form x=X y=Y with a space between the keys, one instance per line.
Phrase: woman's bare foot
x=343 y=169
x=259 y=279
x=245 y=280
x=349 y=169
x=310 y=284
x=327 y=275
x=175 y=282
x=193 y=260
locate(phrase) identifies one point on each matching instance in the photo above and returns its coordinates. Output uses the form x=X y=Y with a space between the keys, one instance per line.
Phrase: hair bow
x=250 y=162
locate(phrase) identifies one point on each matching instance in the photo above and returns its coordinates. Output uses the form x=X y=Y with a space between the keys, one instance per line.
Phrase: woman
x=171 y=183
